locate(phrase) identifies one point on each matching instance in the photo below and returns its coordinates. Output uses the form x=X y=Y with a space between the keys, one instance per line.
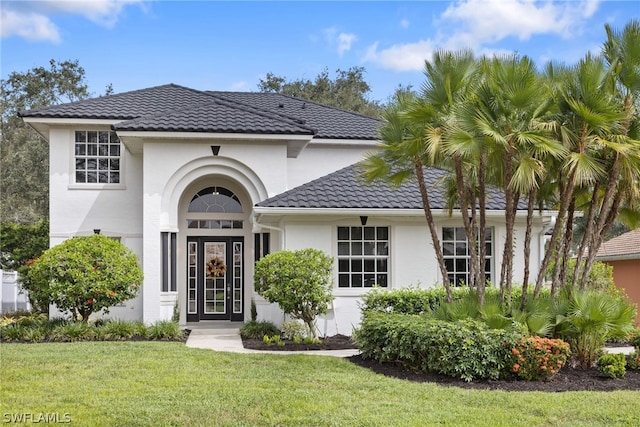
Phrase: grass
x=168 y=384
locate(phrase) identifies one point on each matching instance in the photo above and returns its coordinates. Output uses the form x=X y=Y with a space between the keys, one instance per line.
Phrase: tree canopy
x=24 y=157
x=348 y=91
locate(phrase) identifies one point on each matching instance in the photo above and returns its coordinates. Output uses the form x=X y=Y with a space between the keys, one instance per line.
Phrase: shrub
x=633 y=360
x=600 y=275
x=634 y=338
x=257 y=330
x=73 y=331
x=119 y=330
x=164 y=330
x=465 y=349
x=293 y=329
x=587 y=319
x=298 y=281
x=612 y=365
x=84 y=275
x=536 y=358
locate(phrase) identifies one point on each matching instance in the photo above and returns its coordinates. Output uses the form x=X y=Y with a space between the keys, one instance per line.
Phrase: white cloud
x=342 y=41
x=33 y=20
x=492 y=20
x=31 y=26
x=476 y=24
x=401 y=57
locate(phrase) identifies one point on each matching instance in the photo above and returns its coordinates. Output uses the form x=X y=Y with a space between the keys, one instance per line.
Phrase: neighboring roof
x=625 y=246
x=346 y=189
x=176 y=108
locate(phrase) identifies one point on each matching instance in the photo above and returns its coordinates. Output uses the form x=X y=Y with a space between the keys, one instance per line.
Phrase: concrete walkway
x=228 y=339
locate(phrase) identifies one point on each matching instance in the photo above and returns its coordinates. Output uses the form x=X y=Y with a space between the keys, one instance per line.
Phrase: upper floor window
x=363 y=257
x=97 y=155
x=455 y=249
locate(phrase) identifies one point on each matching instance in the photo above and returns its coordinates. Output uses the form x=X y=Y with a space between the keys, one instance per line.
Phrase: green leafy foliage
x=84 y=275
x=536 y=358
x=164 y=331
x=257 y=330
x=633 y=360
x=348 y=91
x=587 y=319
x=292 y=329
x=465 y=349
x=22 y=243
x=600 y=276
x=612 y=365
x=38 y=328
x=298 y=281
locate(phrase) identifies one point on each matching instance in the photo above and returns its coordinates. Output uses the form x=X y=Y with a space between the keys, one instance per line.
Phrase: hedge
x=466 y=349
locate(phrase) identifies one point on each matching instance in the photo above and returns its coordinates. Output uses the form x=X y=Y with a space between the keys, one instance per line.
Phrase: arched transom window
x=215 y=200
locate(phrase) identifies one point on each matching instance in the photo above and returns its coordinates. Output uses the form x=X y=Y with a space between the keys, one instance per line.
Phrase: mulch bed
x=567 y=379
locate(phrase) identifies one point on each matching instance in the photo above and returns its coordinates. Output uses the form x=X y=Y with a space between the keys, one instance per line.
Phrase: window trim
x=73 y=185
x=357 y=291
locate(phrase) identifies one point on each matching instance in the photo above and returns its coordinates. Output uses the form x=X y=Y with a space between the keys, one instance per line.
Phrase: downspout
x=256 y=223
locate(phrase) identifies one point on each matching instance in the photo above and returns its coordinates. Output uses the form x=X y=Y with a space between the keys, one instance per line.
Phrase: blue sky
x=217 y=45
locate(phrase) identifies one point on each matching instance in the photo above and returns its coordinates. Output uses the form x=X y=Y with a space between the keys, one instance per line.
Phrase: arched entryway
x=215 y=216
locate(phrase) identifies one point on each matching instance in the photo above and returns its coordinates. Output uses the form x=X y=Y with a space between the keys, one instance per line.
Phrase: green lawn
x=166 y=383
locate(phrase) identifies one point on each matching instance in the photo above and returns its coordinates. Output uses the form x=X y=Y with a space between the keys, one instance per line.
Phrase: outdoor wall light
x=215 y=149
x=363 y=220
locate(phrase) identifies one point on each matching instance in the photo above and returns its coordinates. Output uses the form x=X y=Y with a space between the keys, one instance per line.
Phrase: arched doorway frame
x=187 y=181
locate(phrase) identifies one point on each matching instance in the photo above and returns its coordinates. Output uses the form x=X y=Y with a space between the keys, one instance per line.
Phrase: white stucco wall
x=79 y=209
x=412 y=258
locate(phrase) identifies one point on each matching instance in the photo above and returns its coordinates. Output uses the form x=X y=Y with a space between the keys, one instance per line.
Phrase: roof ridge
x=262 y=112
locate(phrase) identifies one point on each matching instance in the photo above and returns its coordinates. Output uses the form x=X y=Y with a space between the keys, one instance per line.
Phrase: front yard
x=166 y=383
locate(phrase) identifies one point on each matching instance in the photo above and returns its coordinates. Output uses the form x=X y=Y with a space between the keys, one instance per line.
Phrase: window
x=97 y=155
x=169 y=279
x=215 y=199
x=456 y=254
x=363 y=257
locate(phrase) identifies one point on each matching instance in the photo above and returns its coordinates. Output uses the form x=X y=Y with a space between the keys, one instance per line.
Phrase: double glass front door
x=215 y=273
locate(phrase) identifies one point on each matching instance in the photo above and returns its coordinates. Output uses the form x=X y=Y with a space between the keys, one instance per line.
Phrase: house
x=193 y=180
x=623 y=254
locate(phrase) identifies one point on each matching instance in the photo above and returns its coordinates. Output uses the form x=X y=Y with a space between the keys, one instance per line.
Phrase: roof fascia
x=263 y=210
x=343 y=142
x=295 y=143
x=622 y=257
x=43 y=124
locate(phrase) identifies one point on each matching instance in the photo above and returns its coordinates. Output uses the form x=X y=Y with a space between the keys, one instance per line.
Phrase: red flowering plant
x=86 y=275
x=536 y=358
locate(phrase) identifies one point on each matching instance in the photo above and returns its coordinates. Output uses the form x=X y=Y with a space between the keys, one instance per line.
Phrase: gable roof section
x=331 y=123
x=346 y=189
x=625 y=246
x=176 y=108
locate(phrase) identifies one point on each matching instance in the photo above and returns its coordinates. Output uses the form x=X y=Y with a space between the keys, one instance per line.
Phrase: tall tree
x=403 y=150
x=24 y=187
x=348 y=91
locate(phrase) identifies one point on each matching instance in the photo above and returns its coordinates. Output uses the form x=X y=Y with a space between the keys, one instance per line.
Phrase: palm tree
x=619 y=151
x=506 y=114
x=400 y=157
x=586 y=116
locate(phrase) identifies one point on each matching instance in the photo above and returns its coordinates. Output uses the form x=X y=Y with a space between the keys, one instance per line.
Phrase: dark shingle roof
x=625 y=246
x=346 y=189
x=330 y=122
x=177 y=108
